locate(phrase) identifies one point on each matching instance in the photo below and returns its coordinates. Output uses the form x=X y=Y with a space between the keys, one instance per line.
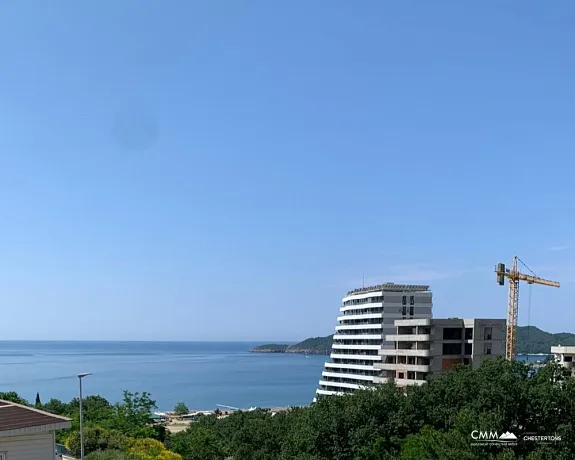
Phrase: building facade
x=27 y=433
x=565 y=356
x=423 y=347
x=367 y=316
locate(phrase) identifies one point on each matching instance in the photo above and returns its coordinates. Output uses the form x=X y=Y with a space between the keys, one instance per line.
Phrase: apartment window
x=400 y=375
x=411 y=311
x=2 y=455
x=568 y=359
x=411 y=300
x=468 y=333
x=487 y=333
x=487 y=349
x=452 y=333
x=451 y=349
x=404 y=300
x=404 y=311
x=466 y=361
x=468 y=349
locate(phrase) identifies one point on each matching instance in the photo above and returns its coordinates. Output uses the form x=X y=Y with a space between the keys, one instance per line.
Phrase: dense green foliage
x=12 y=396
x=107 y=455
x=433 y=421
x=533 y=340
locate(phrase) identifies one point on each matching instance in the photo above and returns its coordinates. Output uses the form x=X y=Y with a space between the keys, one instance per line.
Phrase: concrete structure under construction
x=367 y=316
x=423 y=347
x=565 y=356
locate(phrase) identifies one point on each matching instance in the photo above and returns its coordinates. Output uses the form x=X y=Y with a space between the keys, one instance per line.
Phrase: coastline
x=297 y=352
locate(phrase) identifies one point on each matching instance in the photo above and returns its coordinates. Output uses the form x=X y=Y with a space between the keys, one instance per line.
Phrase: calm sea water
x=202 y=374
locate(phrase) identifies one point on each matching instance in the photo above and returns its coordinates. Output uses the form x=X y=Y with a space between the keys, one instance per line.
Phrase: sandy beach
x=176 y=423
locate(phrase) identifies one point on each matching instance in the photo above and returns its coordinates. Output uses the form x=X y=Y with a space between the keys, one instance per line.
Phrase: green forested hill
x=311 y=346
x=530 y=339
x=314 y=345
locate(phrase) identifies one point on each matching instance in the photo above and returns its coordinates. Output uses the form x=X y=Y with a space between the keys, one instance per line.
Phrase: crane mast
x=514 y=276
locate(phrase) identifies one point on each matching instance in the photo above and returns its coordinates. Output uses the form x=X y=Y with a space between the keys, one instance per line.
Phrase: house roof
x=16 y=417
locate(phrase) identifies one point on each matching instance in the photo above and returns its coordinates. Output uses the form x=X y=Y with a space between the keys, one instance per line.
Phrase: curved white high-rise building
x=367 y=316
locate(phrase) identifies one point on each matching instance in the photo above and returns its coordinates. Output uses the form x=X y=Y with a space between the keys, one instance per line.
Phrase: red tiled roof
x=15 y=416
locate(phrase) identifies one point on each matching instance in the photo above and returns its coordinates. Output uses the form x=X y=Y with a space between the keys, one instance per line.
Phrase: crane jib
x=515 y=276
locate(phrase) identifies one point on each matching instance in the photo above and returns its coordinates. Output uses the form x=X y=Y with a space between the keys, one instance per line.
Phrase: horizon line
x=149 y=341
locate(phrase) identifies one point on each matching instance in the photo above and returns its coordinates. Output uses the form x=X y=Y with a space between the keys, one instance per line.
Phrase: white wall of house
x=38 y=446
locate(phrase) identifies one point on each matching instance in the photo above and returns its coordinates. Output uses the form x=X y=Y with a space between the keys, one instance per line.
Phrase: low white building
x=565 y=356
x=27 y=433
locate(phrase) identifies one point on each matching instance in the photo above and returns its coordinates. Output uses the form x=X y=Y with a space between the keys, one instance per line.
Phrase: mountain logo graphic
x=508 y=437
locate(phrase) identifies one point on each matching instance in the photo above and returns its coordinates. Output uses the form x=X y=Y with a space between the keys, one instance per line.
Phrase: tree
x=198 y=443
x=14 y=397
x=97 y=439
x=151 y=449
x=108 y=455
x=134 y=415
x=38 y=403
x=181 y=409
x=55 y=406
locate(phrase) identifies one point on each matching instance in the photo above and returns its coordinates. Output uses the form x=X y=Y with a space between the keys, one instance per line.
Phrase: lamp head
x=81 y=376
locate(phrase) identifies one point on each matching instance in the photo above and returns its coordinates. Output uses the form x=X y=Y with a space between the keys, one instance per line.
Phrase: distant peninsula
x=311 y=346
x=530 y=340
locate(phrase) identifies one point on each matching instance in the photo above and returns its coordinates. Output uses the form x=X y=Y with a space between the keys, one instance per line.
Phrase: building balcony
x=319 y=391
x=357 y=327
x=413 y=322
x=358 y=357
x=405 y=352
x=355 y=347
x=352 y=386
x=402 y=367
x=359 y=367
x=365 y=306
x=358 y=337
x=364 y=316
x=341 y=375
x=380 y=380
x=408 y=337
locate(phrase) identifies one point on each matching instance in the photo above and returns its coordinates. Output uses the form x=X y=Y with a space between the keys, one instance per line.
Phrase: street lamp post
x=80 y=377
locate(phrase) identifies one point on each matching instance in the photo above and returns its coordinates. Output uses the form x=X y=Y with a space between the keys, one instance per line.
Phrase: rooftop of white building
x=563 y=350
x=390 y=287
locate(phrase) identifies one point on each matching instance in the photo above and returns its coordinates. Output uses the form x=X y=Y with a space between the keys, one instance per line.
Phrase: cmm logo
x=493 y=436
x=484 y=435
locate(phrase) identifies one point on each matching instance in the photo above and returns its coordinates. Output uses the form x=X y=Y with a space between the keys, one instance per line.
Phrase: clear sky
x=229 y=169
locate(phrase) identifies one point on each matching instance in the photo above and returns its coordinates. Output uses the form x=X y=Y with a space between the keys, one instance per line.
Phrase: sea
x=204 y=375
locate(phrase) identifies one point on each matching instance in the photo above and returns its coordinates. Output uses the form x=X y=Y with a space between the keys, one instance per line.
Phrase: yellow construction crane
x=514 y=276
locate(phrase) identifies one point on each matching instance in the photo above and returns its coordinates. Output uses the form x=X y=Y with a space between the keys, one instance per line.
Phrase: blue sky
x=228 y=170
